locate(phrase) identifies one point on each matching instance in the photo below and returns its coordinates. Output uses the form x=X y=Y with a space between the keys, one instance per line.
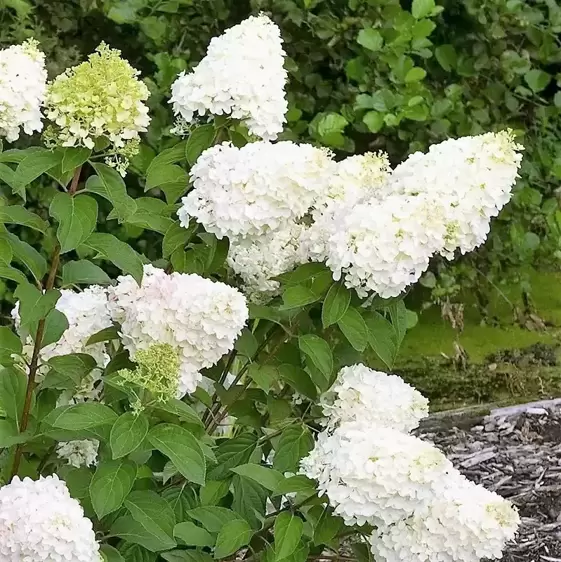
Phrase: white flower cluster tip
x=199 y=318
x=23 y=85
x=40 y=522
x=373 y=471
x=242 y=75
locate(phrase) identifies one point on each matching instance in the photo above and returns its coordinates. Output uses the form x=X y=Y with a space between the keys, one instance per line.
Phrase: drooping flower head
x=375 y=399
x=197 y=317
x=255 y=189
x=242 y=75
x=23 y=84
x=39 y=521
x=99 y=99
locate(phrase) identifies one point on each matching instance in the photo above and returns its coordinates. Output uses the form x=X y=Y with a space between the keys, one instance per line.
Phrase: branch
x=34 y=364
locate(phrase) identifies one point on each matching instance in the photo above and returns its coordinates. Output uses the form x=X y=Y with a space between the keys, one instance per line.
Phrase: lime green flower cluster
x=101 y=99
x=157 y=371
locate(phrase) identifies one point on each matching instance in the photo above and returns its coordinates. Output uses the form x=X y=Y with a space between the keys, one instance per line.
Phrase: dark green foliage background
x=364 y=75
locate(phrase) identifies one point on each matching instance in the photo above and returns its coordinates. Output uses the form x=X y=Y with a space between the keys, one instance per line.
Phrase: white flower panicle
x=78 y=453
x=472 y=177
x=198 y=317
x=23 y=85
x=375 y=399
x=372 y=471
x=375 y=474
x=467 y=523
x=258 y=259
x=40 y=522
x=384 y=246
x=242 y=75
x=100 y=98
x=259 y=188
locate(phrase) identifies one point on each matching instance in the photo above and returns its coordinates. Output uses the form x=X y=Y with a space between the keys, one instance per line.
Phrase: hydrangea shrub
x=212 y=403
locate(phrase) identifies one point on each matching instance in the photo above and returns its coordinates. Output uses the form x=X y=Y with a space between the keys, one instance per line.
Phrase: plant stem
x=34 y=364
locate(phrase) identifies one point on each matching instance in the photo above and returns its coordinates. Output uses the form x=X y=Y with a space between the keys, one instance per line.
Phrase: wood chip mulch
x=515 y=452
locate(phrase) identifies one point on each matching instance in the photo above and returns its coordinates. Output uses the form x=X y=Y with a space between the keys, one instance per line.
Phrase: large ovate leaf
x=111 y=484
x=212 y=517
x=199 y=140
x=182 y=449
x=295 y=443
x=76 y=216
x=127 y=433
x=268 y=477
x=26 y=254
x=232 y=537
x=17 y=214
x=335 y=304
x=288 y=532
x=86 y=415
x=83 y=272
x=319 y=352
x=193 y=535
x=354 y=328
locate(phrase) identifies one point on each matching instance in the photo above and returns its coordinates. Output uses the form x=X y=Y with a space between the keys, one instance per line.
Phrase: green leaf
x=232 y=453
x=295 y=443
x=107 y=334
x=354 y=328
x=298 y=297
x=34 y=304
x=8 y=176
x=296 y=484
x=83 y=272
x=249 y=501
x=86 y=415
x=335 y=304
x=110 y=554
x=56 y=324
x=232 y=537
x=186 y=556
x=212 y=517
x=416 y=74
x=67 y=371
x=182 y=449
x=27 y=255
x=537 y=79
x=73 y=157
x=288 y=532
x=246 y=344
x=76 y=216
x=10 y=344
x=122 y=255
x=127 y=433
x=192 y=535
x=11 y=273
x=213 y=491
x=151 y=214
x=263 y=375
x=199 y=140
x=327 y=528
x=110 y=185
x=176 y=237
x=267 y=477
x=170 y=178
x=382 y=338
x=422 y=8
x=299 y=380
x=154 y=513
x=131 y=530
x=16 y=214
x=13 y=384
x=183 y=411
x=36 y=163
x=370 y=38
x=111 y=484
x=319 y=352
x=446 y=57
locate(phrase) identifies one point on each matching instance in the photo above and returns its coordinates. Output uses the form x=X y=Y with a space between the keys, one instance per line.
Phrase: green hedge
x=365 y=75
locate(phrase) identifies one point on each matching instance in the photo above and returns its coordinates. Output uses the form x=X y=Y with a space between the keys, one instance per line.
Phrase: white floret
x=78 y=453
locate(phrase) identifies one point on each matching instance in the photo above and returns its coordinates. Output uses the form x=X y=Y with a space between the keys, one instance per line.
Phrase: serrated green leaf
x=10 y=344
x=73 y=157
x=422 y=8
x=319 y=352
x=122 y=255
x=232 y=537
x=127 y=434
x=183 y=411
x=111 y=484
x=288 y=532
x=295 y=443
x=382 y=338
x=354 y=328
x=232 y=453
x=192 y=535
x=9 y=177
x=27 y=255
x=86 y=415
x=67 y=371
x=182 y=449
x=370 y=38
x=212 y=517
x=13 y=384
x=35 y=164
x=132 y=531
x=110 y=554
x=76 y=216
x=335 y=305
x=83 y=272
x=199 y=140
x=298 y=379
x=537 y=79
x=268 y=477
x=16 y=214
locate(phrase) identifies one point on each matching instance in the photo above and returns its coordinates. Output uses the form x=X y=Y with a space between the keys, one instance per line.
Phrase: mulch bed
x=517 y=453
